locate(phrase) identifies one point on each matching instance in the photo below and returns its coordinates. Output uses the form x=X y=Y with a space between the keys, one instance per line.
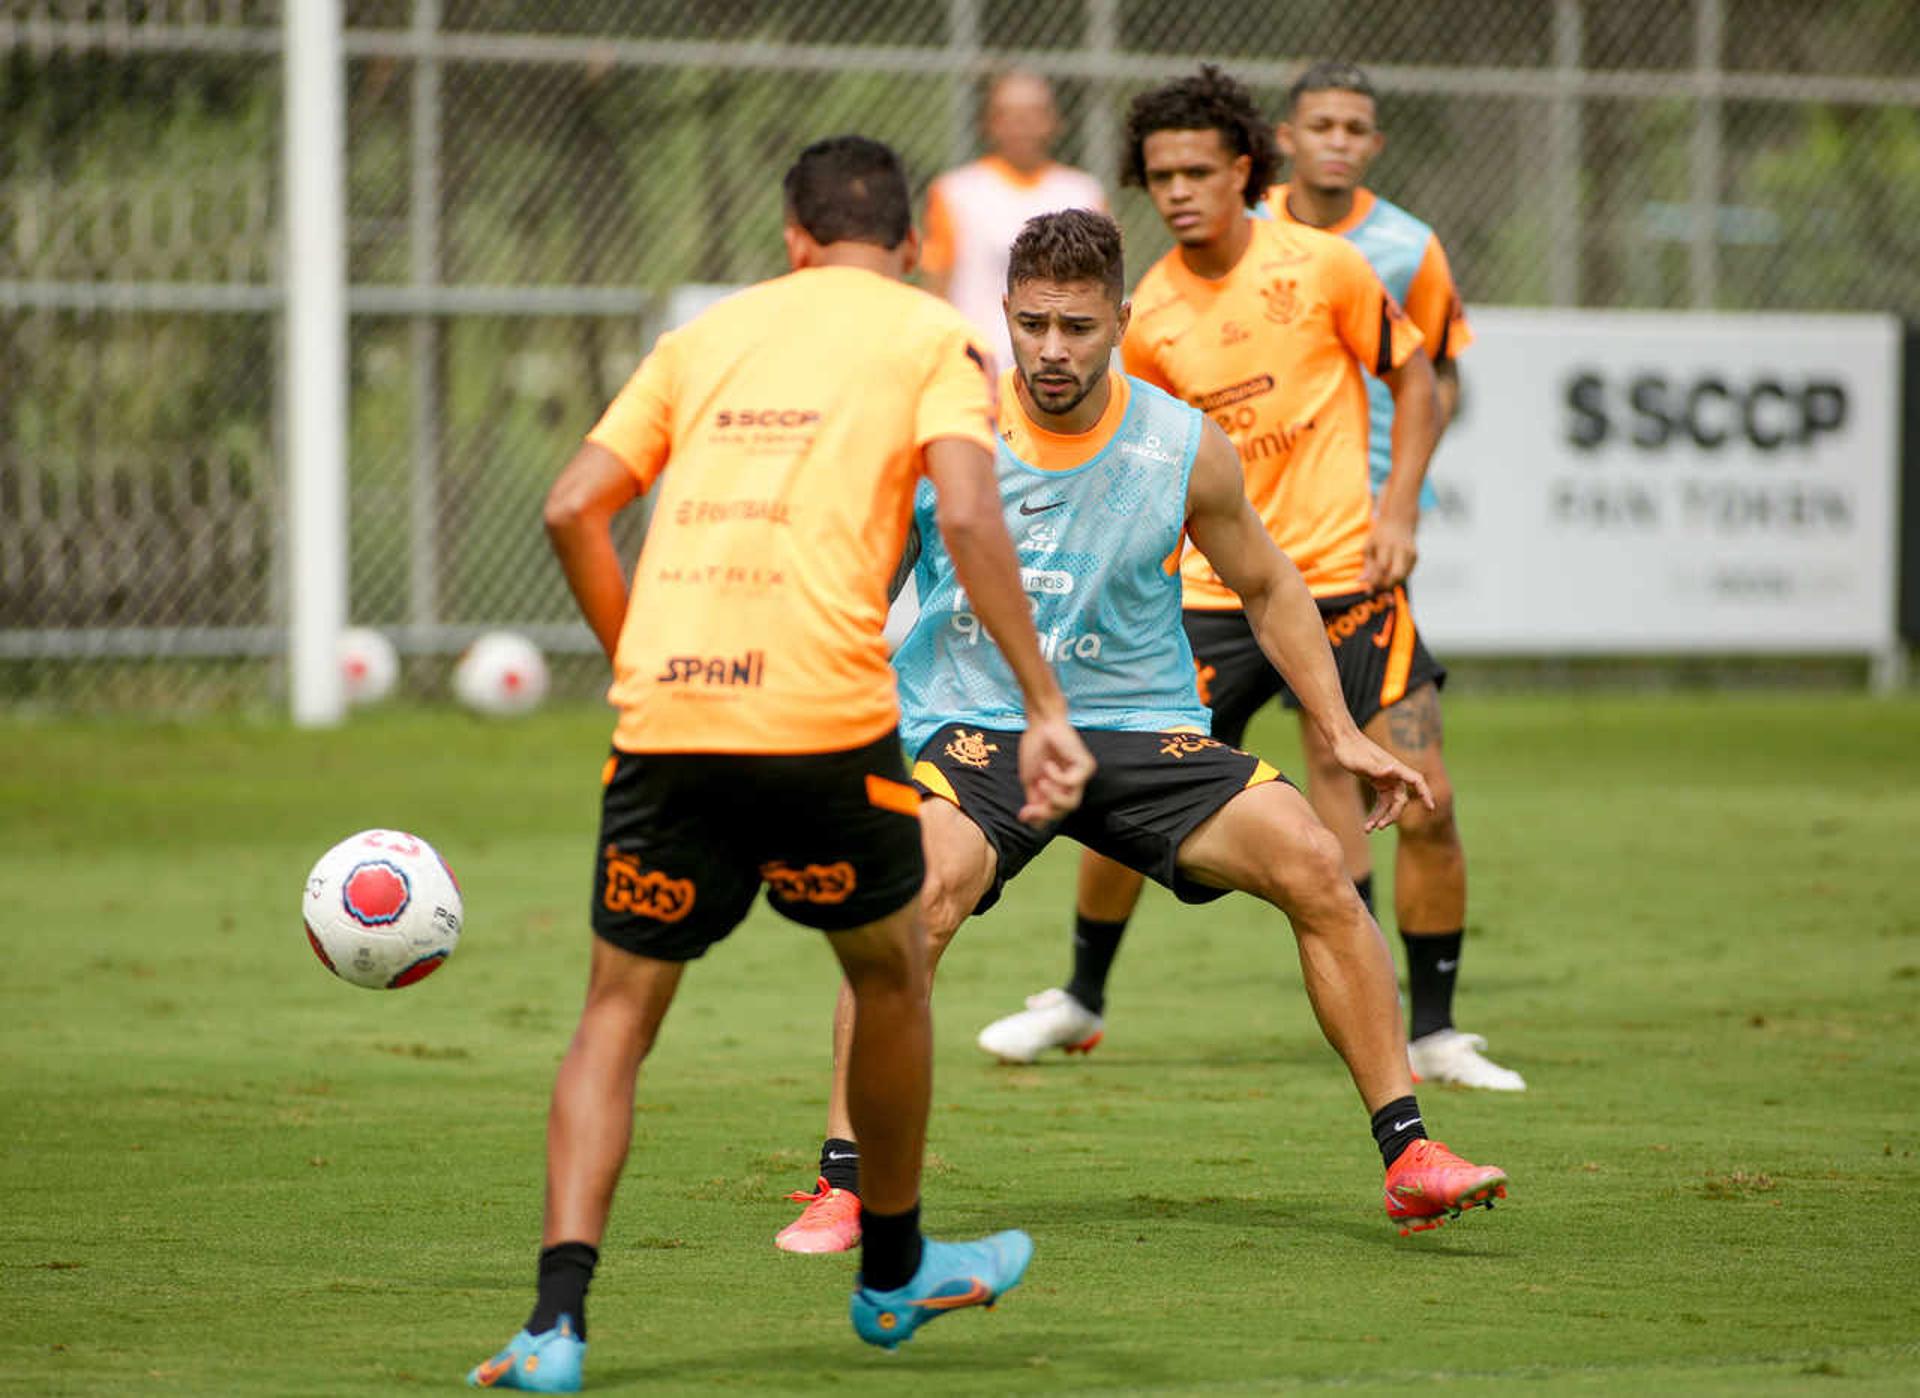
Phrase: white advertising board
x=1624 y=482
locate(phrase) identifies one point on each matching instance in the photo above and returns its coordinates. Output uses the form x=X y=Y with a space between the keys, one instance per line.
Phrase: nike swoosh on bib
x=1040 y=509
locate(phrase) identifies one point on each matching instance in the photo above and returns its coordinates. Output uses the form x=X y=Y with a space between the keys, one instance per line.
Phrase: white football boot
x=1447 y=1055
x=1052 y=1019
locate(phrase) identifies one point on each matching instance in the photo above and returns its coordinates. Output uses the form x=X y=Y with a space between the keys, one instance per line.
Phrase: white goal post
x=316 y=358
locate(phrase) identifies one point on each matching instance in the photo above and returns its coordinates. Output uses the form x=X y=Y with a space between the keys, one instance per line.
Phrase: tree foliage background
x=139 y=477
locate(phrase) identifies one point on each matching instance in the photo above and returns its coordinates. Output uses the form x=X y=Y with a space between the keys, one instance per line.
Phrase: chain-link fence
x=531 y=181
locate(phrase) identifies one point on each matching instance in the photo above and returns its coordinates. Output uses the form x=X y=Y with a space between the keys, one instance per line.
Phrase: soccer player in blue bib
x=1103 y=480
x=1330 y=137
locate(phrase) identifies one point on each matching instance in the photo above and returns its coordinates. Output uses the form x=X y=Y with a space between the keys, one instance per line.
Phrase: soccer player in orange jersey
x=1331 y=137
x=787 y=429
x=1272 y=328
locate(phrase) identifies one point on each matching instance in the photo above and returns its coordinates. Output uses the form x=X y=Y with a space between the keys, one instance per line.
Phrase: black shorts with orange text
x=1376 y=648
x=688 y=839
x=1147 y=794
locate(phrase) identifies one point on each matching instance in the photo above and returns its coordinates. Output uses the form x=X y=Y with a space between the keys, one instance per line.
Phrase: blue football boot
x=952 y=1276
x=546 y=1363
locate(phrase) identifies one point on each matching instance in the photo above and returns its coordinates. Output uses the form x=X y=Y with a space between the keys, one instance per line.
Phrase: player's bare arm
x=1416 y=428
x=1054 y=763
x=595 y=486
x=1281 y=611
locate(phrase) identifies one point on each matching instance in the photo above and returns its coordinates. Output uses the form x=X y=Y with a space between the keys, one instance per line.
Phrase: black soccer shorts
x=1376 y=648
x=688 y=839
x=1149 y=792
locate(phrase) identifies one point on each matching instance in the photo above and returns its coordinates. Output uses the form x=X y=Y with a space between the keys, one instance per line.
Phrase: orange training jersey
x=786 y=425
x=1274 y=352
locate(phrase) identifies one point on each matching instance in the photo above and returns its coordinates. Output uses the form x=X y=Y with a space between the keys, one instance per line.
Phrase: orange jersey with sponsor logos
x=785 y=427
x=1275 y=352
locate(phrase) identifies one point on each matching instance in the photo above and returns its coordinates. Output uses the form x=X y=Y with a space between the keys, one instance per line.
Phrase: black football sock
x=566 y=1271
x=1094 y=945
x=1433 y=963
x=840 y=1164
x=1364 y=887
x=1397 y=1126
x=889 y=1248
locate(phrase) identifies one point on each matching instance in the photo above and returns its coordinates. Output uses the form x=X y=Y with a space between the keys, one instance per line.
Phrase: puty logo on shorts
x=644 y=892
x=973 y=749
x=1187 y=744
x=716 y=671
x=815 y=883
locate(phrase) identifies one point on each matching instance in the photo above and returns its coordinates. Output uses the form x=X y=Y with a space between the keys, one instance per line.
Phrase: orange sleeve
x=937 y=244
x=1433 y=302
x=637 y=426
x=1369 y=321
x=958 y=397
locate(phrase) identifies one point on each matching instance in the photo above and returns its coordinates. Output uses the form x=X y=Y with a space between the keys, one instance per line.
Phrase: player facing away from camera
x=787 y=429
x=1102 y=480
x=1272 y=328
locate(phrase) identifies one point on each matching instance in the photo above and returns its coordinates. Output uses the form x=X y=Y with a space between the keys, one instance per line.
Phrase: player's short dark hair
x=1331 y=75
x=1207 y=101
x=849 y=189
x=1073 y=245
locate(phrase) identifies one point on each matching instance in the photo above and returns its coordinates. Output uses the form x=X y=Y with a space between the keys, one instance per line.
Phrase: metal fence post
x=1102 y=152
x=1564 y=231
x=1706 y=154
x=314 y=150
x=423 y=232
x=963 y=39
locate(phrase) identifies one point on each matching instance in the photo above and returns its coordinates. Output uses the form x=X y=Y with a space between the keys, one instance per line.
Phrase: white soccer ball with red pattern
x=369 y=665
x=502 y=674
x=382 y=909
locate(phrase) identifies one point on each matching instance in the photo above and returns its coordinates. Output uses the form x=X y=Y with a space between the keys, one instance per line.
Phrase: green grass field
x=1693 y=928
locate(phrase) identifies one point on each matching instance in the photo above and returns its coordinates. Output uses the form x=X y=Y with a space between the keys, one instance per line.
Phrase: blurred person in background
x=1330 y=137
x=975 y=211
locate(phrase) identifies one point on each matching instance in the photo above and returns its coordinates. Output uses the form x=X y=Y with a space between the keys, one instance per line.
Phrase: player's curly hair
x=1073 y=245
x=1208 y=101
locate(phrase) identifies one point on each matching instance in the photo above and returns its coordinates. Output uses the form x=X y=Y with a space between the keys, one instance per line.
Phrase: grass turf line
x=1692 y=928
